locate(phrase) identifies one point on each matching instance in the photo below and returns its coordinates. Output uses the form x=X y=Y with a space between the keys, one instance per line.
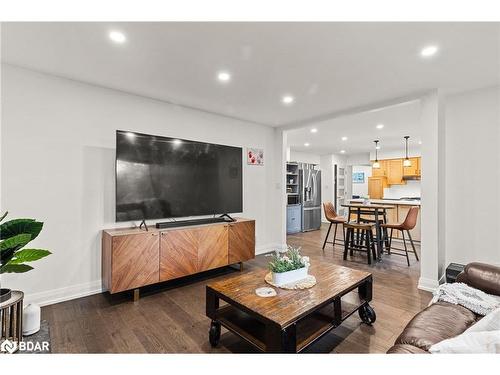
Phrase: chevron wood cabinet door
x=134 y=261
x=212 y=247
x=241 y=241
x=132 y=257
x=178 y=253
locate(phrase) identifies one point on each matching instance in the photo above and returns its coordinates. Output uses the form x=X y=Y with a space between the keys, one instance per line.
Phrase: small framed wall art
x=255 y=156
x=358 y=177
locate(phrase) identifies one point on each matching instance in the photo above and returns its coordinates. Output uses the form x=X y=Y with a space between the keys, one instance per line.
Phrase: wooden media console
x=132 y=257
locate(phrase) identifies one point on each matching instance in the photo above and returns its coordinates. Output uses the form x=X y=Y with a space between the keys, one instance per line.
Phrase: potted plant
x=14 y=235
x=288 y=267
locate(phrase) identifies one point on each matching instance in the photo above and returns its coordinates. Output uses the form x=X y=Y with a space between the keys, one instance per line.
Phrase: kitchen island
x=398 y=214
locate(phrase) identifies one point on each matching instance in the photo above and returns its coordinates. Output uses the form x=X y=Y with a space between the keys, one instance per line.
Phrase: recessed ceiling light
x=306 y=144
x=380 y=126
x=342 y=151
x=344 y=138
x=314 y=130
x=117 y=37
x=287 y=99
x=224 y=76
x=419 y=142
x=429 y=51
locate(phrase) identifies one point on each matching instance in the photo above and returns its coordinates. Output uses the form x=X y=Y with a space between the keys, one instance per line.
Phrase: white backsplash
x=411 y=189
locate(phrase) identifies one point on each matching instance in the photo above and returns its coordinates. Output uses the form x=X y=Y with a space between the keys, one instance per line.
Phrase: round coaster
x=265 y=292
x=306 y=283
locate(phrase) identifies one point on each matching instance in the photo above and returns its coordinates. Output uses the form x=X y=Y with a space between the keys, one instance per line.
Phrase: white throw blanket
x=466 y=296
x=482 y=337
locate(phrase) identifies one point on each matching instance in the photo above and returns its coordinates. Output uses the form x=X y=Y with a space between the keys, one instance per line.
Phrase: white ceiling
x=360 y=130
x=327 y=66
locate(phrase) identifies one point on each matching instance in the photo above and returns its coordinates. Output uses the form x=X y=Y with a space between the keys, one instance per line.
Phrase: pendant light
x=376 y=164
x=407 y=161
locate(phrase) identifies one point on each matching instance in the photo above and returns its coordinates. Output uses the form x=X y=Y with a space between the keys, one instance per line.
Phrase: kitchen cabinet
x=414 y=169
x=376 y=187
x=379 y=172
x=293 y=218
x=395 y=172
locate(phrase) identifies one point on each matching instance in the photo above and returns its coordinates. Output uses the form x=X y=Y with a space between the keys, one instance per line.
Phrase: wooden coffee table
x=293 y=319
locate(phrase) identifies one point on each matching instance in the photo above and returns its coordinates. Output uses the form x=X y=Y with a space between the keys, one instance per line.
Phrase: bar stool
x=333 y=218
x=407 y=225
x=367 y=242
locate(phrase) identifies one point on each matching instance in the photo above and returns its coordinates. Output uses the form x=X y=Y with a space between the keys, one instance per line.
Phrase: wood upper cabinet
x=241 y=241
x=212 y=247
x=379 y=172
x=414 y=169
x=376 y=187
x=134 y=261
x=395 y=172
x=178 y=253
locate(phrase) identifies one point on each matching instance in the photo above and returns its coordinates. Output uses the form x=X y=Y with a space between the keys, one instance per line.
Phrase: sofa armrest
x=481 y=276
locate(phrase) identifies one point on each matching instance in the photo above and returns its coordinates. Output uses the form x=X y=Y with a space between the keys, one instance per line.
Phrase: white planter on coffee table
x=289 y=277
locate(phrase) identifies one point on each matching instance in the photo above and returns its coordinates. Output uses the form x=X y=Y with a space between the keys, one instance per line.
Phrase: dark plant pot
x=4 y=294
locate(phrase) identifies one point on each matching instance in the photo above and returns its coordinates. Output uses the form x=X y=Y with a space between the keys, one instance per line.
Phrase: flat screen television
x=161 y=177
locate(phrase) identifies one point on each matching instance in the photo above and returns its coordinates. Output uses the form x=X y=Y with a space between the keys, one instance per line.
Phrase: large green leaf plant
x=14 y=235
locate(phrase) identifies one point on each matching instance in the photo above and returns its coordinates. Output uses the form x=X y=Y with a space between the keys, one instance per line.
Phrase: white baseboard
x=268 y=248
x=428 y=285
x=50 y=297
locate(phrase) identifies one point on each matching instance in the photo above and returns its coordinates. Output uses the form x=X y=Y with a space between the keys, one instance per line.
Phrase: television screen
x=160 y=177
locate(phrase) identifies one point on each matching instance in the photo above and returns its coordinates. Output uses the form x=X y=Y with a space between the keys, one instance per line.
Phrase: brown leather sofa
x=443 y=320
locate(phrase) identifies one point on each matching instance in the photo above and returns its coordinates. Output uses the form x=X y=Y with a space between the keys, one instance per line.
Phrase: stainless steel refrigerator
x=310 y=188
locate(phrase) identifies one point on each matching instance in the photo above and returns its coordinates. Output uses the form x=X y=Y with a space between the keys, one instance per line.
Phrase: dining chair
x=408 y=224
x=334 y=219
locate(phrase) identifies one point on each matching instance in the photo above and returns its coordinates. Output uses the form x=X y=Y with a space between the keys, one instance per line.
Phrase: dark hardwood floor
x=170 y=318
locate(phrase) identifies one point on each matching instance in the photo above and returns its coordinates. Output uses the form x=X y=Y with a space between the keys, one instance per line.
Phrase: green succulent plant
x=14 y=235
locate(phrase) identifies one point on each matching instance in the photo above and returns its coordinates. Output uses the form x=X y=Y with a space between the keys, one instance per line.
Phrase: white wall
x=327 y=174
x=413 y=188
x=362 y=158
x=433 y=190
x=414 y=151
x=304 y=157
x=57 y=153
x=473 y=177
x=361 y=189
x=327 y=185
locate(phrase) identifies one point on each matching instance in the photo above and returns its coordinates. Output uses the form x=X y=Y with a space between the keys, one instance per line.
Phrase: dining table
x=379 y=213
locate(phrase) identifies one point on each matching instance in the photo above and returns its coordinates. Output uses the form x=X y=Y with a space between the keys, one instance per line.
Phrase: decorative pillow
x=469 y=342
x=490 y=322
x=482 y=337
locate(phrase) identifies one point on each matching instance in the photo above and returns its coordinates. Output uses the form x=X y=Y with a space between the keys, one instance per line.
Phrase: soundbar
x=182 y=223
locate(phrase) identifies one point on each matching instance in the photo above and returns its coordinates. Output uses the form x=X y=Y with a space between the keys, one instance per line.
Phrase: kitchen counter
x=398 y=213
x=389 y=201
